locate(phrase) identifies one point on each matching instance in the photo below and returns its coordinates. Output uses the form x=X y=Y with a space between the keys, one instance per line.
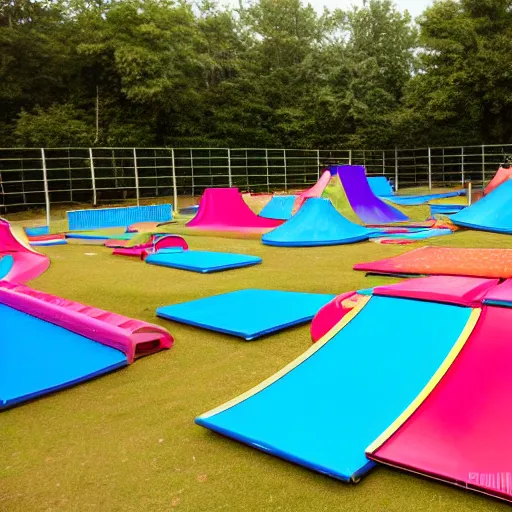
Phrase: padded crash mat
x=248 y=313
x=491 y=263
x=201 y=261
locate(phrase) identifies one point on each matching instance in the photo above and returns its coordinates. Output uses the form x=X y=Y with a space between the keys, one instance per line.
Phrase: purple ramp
x=368 y=207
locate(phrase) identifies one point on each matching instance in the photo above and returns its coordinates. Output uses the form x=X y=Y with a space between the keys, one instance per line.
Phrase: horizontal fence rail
x=41 y=177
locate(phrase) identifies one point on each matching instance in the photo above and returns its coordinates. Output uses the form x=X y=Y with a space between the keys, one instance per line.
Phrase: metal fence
x=41 y=177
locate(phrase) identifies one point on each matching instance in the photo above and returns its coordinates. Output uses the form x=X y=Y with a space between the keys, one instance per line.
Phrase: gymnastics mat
x=248 y=314
x=491 y=263
x=327 y=406
x=37 y=357
x=204 y=262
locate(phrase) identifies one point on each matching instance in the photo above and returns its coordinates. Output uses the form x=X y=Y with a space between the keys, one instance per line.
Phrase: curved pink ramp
x=134 y=338
x=461 y=432
x=223 y=209
x=28 y=264
x=315 y=191
x=367 y=206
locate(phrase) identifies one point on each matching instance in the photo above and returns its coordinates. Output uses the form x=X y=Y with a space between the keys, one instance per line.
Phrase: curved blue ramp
x=446 y=209
x=491 y=213
x=37 y=357
x=279 y=207
x=316 y=223
x=118 y=217
x=201 y=261
x=249 y=313
x=380 y=186
x=323 y=410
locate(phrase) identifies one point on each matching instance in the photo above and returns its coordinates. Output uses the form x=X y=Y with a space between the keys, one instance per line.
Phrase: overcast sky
x=415 y=7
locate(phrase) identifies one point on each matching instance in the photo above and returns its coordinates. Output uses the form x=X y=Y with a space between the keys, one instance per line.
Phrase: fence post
x=93 y=179
x=192 y=169
x=462 y=164
x=318 y=163
x=285 y=171
x=46 y=193
x=383 y=163
x=230 y=178
x=174 y=187
x=443 y=166
x=136 y=172
x=429 y=169
x=349 y=157
x=483 y=165
x=266 y=166
x=396 y=169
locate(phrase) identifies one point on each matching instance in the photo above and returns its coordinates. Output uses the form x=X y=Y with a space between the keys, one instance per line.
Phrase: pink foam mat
x=462 y=291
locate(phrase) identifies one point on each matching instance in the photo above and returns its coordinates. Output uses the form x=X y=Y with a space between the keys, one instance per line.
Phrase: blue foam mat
x=250 y=313
x=279 y=207
x=202 y=261
x=317 y=223
x=37 y=357
x=327 y=409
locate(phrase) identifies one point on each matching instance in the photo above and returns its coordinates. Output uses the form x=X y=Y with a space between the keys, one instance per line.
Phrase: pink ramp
x=315 y=191
x=28 y=264
x=461 y=431
x=462 y=291
x=223 y=209
x=133 y=337
x=500 y=177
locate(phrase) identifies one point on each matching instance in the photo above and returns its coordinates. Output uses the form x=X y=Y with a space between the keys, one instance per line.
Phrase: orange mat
x=492 y=263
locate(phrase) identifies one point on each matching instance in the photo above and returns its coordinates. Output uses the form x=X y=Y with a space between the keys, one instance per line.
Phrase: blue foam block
x=328 y=407
x=37 y=357
x=279 y=207
x=202 y=261
x=118 y=217
x=37 y=231
x=248 y=313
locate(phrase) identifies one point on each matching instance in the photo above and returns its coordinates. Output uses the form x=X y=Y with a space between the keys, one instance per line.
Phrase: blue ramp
x=380 y=186
x=37 y=357
x=446 y=209
x=279 y=207
x=316 y=223
x=491 y=213
x=248 y=313
x=202 y=261
x=323 y=410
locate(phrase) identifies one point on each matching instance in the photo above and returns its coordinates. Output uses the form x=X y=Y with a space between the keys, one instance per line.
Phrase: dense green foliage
x=268 y=73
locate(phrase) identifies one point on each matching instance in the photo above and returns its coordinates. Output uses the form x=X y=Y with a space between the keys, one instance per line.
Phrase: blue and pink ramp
x=49 y=343
x=426 y=395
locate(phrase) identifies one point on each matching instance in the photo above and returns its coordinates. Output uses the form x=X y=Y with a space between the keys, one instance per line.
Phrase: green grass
x=127 y=441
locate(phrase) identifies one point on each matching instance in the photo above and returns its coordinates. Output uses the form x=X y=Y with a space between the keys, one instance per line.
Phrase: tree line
x=268 y=73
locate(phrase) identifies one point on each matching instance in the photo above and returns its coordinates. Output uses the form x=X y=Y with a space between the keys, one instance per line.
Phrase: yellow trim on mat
x=432 y=383
x=289 y=367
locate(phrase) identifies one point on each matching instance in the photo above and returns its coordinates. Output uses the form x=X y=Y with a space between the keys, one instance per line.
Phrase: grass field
x=127 y=441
